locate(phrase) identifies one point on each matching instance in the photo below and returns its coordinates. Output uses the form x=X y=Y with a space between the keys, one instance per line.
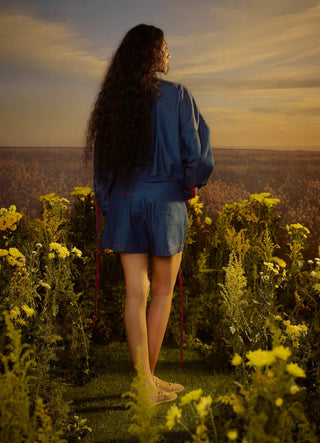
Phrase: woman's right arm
x=101 y=185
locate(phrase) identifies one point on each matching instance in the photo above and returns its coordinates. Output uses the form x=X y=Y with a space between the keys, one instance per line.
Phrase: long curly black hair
x=119 y=128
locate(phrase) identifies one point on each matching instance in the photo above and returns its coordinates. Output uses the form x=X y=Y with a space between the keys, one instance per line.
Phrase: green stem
x=215 y=436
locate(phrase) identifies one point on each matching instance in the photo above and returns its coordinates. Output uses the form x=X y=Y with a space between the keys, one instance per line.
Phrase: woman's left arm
x=195 y=144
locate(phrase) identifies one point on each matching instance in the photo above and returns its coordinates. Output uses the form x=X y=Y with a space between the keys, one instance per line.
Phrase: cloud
x=212 y=84
x=309 y=111
x=35 y=43
x=252 y=39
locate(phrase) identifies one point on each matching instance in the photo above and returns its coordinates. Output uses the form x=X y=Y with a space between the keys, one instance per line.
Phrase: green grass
x=101 y=402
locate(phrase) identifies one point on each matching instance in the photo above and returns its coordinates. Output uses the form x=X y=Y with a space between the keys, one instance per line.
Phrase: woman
x=151 y=148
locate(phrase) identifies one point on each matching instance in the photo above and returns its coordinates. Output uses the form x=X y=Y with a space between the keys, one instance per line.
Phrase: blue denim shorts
x=147 y=217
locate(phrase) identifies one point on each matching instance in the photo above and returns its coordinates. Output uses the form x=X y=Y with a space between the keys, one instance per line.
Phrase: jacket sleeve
x=101 y=185
x=195 y=144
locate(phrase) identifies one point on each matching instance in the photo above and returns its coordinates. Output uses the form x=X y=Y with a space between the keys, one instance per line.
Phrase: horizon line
x=249 y=148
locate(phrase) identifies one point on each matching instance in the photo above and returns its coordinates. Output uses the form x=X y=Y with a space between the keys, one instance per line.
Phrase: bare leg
x=164 y=275
x=135 y=267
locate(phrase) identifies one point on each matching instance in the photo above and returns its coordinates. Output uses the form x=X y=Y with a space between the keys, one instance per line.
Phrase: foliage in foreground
x=266 y=403
x=245 y=278
x=141 y=414
x=20 y=419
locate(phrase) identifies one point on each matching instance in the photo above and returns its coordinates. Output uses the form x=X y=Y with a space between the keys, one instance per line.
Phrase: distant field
x=27 y=173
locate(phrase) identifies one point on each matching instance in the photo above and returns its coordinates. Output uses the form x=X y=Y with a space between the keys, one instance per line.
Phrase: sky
x=252 y=66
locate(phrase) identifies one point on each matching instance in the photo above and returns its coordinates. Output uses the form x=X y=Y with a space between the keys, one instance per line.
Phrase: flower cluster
x=278 y=261
x=173 y=416
x=53 y=200
x=14 y=257
x=9 y=218
x=297 y=231
x=82 y=191
x=192 y=396
x=200 y=406
x=295 y=370
x=274 y=268
x=76 y=251
x=232 y=434
x=264 y=199
x=295 y=332
x=196 y=205
x=57 y=250
x=275 y=271
x=261 y=358
x=16 y=312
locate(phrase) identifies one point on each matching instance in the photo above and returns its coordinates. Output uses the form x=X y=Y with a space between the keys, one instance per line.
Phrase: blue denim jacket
x=181 y=145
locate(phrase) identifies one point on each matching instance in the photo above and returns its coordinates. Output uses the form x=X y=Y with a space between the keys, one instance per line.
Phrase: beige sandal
x=167 y=386
x=155 y=397
x=158 y=397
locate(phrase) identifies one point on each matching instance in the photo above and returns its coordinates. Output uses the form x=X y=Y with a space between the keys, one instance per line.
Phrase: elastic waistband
x=152 y=189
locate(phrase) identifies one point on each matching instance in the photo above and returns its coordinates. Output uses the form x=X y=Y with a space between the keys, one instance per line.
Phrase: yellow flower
x=263 y=198
x=173 y=416
x=14 y=252
x=62 y=251
x=281 y=352
x=9 y=218
x=54 y=199
x=203 y=406
x=295 y=331
x=197 y=207
x=236 y=360
x=260 y=358
x=279 y=262
x=81 y=190
x=279 y=402
x=201 y=432
x=54 y=246
x=194 y=200
x=294 y=389
x=208 y=220
x=232 y=434
x=29 y=311
x=13 y=262
x=191 y=396
x=77 y=252
x=295 y=370
x=271 y=267
x=3 y=252
x=51 y=255
x=14 y=313
x=297 y=228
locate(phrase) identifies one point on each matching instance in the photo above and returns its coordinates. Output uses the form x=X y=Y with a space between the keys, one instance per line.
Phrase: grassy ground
x=101 y=403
